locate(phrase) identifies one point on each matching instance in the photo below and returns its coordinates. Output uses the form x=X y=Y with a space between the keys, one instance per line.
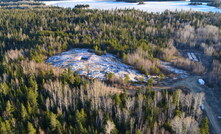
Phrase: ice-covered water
x=85 y=62
x=148 y=6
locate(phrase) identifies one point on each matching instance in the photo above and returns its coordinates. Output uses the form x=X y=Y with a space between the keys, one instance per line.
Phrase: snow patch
x=201 y=81
x=167 y=65
x=85 y=62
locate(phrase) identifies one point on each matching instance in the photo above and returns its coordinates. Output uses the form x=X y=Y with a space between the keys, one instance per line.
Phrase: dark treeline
x=215 y=3
x=82 y=6
x=21 y=4
x=38 y=98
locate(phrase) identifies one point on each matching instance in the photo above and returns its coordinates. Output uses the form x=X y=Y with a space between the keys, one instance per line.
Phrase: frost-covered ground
x=85 y=62
x=148 y=6
x=180 y=72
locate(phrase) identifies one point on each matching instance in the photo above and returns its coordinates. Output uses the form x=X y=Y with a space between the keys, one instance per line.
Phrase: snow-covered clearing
x=86 y=63
x=180 y=72
x=192 y=56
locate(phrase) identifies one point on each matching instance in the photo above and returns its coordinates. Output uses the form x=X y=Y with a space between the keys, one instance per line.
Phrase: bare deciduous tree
x=109 y=127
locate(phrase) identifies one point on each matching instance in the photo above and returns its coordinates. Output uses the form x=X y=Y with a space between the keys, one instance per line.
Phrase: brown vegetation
x=184 y=63
x=65 y=97
x=14 y=54
x=169 y=51
x=31 y=67
x=189 y=36
x=140 y=60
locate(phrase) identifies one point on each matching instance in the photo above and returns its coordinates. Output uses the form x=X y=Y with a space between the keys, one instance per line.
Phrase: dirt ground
x=210 y=103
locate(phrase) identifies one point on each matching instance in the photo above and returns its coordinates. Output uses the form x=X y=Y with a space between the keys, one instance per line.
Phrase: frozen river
x=148 y=6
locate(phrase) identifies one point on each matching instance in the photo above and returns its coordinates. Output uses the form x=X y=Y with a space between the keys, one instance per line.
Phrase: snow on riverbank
x=87 y=63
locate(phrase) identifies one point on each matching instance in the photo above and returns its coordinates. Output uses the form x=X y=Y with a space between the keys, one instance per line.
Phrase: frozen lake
x=85 y=62
x=148 y=6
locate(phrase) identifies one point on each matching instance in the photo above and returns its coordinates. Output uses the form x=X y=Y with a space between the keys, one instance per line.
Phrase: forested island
x=216 y=3
x=21 y=4
x=36 y=97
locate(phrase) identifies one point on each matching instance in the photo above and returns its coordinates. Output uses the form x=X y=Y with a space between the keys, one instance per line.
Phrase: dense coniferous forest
x=38 y=98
